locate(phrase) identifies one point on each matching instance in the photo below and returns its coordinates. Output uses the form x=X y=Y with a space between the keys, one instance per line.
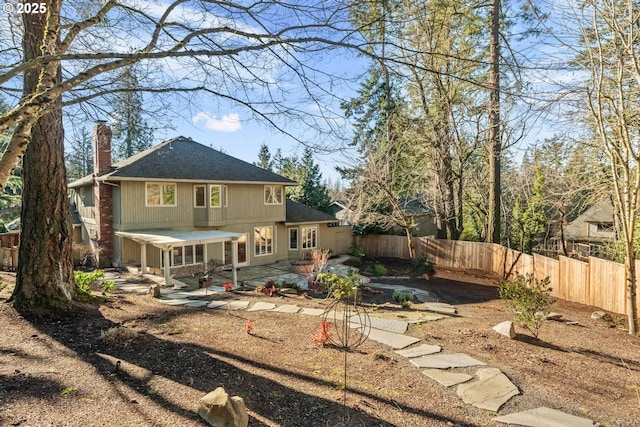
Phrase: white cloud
x=227 y=123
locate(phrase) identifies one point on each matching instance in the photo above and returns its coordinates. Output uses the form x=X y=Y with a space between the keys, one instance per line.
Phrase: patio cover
x=167 y=239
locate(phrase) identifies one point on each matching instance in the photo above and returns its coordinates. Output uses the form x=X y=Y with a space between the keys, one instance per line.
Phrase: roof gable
x=299 y=213
x=184 y=159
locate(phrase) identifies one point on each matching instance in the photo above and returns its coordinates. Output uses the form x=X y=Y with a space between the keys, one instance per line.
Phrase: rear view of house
x=181 y=204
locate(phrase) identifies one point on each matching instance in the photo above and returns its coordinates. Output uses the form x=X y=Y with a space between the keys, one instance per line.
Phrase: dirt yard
x=132 y=361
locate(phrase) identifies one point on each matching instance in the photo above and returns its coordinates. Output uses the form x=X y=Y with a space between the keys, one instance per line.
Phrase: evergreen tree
x=530 y=223
x=264 y=158
x=80 y=158
x=313 y=192
x=310 y=191
x=131 y=132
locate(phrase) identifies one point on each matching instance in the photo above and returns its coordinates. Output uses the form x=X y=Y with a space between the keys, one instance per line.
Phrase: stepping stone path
x=262 y=306
x=421 y=350
x=544 y=417
x=492 y=390
x=287 y=308
x=489 y=390
x=446 y=361
x=447 y=378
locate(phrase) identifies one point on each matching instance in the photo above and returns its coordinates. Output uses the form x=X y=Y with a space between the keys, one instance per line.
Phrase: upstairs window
x=272 y=194
x=160 y=194
x=199 y=196
x=215 y=196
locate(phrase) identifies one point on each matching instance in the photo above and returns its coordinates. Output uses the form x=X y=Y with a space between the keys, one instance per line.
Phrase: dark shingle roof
x=184 y=159
x=297 y=213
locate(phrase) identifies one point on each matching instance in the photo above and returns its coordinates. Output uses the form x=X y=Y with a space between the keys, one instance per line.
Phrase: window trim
x=265 y=253
x=211 y=205
x=162 y=185
x=195 y=200
x=291 y=229
x=184 y=257
x=274 y=190
x=314 y=237
x=225 y=189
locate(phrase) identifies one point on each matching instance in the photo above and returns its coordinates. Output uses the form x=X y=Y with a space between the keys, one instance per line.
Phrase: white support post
x=143 y=258
x=234 y=262
x=167 y=273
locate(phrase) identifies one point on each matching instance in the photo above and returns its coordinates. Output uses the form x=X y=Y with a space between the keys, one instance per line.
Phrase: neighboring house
x=417 y=208
x=589 y=231
x=423 y=217
x=341 y=211
x=180 y=204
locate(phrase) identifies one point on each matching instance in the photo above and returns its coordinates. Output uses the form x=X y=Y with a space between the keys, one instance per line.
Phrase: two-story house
x=180 y=204
x=585 y=235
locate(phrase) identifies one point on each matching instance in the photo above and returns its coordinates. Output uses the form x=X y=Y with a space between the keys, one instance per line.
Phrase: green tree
x=264 y=158
x=80 y=157
x=313 y=192
x=131 y=132
x=530 y=223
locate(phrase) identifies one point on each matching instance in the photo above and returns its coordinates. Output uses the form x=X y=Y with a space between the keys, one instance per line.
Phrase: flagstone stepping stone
x=446 y=361
x=197 y=303
x=389 y=325
x=447 y=378
x=218 y=304
x=441 y=308
x=175 y=301
x=544 y=417
x=421 y=350
x=312 y=311
x=262 y=306
x=287 y=308
x=492 y=390
x=393 y=340
x=229 y=305
x=136 y=289
x=382 y=286
x=182 y=294
x=424 y=296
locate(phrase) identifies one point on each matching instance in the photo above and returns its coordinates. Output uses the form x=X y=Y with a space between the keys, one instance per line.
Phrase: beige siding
x=245 y=205
x=248 y=229
x=337 y=239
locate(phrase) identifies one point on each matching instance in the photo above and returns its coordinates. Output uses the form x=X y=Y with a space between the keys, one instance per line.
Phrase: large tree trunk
x=495 y=144
x=45 y=270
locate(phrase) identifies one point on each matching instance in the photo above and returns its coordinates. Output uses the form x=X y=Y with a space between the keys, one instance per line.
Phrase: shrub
x=528 y=299
x=424 y=264
x=356 y=251
x=323 y=334
x=118 y=335
x=85 y=282
x=339 y=286
x=403 y=296
x=380 y=270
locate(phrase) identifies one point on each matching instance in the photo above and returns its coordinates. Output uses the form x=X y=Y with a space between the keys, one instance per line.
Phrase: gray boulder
x=220 y=410
x=506 y=329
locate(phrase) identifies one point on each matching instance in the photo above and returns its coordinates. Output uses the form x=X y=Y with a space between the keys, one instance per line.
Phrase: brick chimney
x=103 y=194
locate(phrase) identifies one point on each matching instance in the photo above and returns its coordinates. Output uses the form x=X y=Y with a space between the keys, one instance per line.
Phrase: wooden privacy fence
x=597 y=282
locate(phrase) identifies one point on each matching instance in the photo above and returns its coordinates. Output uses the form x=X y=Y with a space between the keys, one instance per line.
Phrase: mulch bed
x=72 y=369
